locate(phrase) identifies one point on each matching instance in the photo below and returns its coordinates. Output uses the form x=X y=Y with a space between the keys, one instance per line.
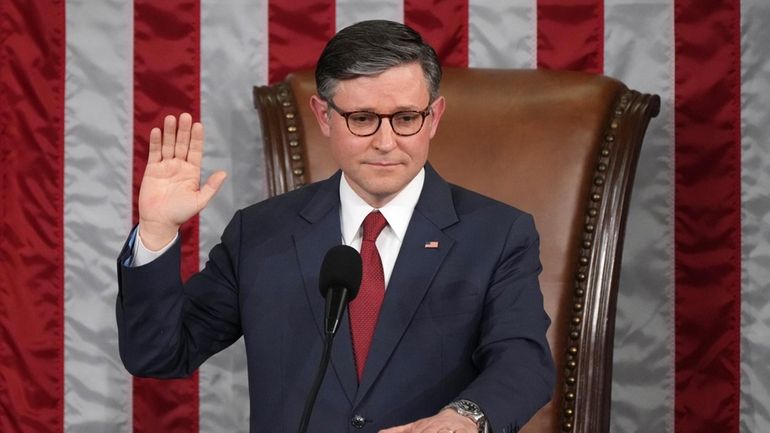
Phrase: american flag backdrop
x=82 y=82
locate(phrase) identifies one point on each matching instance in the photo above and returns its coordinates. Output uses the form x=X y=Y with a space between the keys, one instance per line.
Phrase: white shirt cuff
x=143 y=255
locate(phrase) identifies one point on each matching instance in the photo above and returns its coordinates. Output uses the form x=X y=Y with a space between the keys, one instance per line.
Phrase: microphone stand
x=336 y=300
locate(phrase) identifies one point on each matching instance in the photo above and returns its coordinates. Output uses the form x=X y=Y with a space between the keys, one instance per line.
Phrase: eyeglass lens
x=367 y=123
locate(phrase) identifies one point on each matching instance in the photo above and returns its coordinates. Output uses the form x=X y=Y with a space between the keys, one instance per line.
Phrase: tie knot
x=373 y=225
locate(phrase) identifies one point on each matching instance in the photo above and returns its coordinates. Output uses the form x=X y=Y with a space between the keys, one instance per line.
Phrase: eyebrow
x=398 y=109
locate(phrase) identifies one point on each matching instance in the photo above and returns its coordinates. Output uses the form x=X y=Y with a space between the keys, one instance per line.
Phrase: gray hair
x=371 y=47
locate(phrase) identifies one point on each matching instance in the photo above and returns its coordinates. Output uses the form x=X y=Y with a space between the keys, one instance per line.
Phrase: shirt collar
x=398 y=211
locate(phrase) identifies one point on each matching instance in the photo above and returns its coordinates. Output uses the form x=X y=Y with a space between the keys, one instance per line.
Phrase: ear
x=321 y=110
x=437 y=110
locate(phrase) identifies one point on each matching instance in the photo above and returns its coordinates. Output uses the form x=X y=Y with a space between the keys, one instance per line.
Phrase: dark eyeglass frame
x=346 y=114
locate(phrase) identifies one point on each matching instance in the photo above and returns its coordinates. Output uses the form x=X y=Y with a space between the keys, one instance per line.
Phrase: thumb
x=212 y=185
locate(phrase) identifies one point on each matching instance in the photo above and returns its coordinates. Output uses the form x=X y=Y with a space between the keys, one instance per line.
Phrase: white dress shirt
x=354 y=209
x=397 y=212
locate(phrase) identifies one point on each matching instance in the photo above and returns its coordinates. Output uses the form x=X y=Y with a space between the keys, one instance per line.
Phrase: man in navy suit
x=457 y=339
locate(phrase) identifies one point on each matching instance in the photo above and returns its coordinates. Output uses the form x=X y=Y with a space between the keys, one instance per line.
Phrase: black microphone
x=339 y=281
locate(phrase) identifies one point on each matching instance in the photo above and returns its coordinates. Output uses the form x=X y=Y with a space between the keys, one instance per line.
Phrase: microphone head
x=341 y=268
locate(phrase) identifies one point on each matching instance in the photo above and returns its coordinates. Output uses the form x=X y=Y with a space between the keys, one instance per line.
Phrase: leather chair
x=562 y=146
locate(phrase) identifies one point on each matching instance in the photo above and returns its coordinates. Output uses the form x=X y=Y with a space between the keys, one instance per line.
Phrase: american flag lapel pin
x=431 y=245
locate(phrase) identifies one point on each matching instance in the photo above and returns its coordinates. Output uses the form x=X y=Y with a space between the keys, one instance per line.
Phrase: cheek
x=344 y=150
x=418 y=150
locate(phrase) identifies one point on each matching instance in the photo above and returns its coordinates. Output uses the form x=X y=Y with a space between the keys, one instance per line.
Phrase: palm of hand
x=170 y=192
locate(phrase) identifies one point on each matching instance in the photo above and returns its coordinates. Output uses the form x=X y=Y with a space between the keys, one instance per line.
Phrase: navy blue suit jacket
x=464 y=320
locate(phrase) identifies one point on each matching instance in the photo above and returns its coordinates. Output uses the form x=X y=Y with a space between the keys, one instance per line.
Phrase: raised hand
x=170 y=193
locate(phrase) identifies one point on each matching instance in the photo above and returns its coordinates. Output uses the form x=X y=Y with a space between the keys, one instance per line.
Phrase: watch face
x=470 y=410
x=469 y=406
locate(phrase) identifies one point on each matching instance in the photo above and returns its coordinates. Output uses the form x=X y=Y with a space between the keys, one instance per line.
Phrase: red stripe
x=707 y=215
x=31 y=216
x=444 y=25
x=166 y=81
x=570 y=35
x=298 y=31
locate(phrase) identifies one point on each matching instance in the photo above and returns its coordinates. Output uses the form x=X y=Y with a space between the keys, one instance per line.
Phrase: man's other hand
x=446 y=421
x=170 y=193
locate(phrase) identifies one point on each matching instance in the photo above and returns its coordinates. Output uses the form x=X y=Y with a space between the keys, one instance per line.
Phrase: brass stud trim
x=590 y=226
x=292 y=135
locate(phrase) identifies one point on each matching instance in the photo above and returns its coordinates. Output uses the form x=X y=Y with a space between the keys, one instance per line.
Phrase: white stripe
x=352 y=11
x=97 y=211
x=639 y=51
x=233 y=59
x=502 y=34
x=755 y=216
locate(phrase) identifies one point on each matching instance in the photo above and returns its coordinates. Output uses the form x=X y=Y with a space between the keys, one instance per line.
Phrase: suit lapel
x=413 y=273
x=322 y=212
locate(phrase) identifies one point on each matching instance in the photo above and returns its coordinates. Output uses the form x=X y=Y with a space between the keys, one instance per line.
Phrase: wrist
x=156 y=236
x=471 y=411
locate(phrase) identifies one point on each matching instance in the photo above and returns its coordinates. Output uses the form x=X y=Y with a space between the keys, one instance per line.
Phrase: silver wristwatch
x=471 y=411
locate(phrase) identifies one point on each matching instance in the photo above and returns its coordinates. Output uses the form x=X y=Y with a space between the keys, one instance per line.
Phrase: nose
x=384 y=139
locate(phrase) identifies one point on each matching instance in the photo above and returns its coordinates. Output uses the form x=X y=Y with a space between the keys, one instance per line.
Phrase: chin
x=384 y=192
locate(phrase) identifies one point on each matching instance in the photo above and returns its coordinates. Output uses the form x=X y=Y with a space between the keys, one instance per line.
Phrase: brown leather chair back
x=562 y=146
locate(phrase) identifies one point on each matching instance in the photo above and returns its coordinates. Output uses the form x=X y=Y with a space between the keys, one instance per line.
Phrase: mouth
x=382 y=163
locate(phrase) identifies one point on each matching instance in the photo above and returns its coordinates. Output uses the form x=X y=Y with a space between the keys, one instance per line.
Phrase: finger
x=406 y=428
x=169 y=137
x=183 y=136
x=210 y=188
x=195 y=153
x=154 y=153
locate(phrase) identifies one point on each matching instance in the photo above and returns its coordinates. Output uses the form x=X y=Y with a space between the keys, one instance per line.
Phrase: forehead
x=398 y=87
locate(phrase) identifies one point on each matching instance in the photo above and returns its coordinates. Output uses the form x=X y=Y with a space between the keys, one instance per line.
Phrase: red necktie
x=365 y=308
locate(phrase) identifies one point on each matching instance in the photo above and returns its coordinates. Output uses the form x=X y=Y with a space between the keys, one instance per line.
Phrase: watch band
x=471 y=411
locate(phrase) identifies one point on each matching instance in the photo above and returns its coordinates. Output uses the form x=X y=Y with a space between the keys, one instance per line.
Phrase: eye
x=362 y=117
x=407 y=117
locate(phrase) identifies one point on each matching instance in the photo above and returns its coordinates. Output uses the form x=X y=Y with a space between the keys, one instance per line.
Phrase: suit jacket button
x=358 y=421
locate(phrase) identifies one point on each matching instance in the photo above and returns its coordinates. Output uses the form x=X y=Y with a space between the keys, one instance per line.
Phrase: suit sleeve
x=516 y=369
x=166 y=328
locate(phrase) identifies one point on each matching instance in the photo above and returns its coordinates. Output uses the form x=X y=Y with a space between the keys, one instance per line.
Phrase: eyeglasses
x=366 y=123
